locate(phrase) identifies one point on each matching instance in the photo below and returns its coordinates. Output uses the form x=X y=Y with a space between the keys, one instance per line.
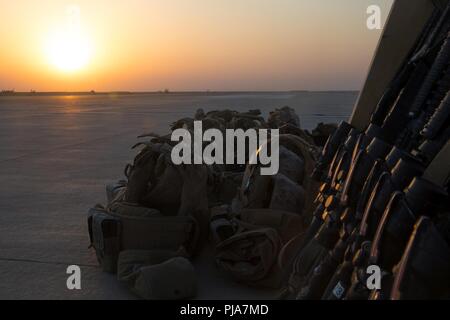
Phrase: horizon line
x=166 y=92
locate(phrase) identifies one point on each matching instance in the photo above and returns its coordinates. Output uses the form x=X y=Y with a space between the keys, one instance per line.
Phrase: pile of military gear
x=160 y=217
x=383 y=202
x=377 y=199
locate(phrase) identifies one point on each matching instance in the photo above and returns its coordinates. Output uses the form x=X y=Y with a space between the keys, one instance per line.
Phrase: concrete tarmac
x=56 y=156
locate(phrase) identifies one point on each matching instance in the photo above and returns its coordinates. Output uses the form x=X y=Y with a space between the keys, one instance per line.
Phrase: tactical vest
x=136 y=228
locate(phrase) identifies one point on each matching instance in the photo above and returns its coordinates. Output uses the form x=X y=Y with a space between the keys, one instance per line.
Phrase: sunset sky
x=147 y=45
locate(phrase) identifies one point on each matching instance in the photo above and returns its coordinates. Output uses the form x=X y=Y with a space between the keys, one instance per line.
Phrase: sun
x=68 y=48
x=68 y=51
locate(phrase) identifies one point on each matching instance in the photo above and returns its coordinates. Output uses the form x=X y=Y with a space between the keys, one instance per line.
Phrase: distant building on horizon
x=6 y=92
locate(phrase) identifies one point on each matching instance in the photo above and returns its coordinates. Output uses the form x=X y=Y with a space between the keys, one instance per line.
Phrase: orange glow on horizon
x=54 y=45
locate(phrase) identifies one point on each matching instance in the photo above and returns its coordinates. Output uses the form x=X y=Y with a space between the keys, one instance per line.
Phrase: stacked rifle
x=379 y=206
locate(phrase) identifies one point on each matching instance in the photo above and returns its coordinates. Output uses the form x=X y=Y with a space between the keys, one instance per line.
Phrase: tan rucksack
x=138 y=228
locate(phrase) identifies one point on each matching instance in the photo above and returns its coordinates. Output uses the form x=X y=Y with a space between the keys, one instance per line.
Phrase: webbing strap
x=157 y=232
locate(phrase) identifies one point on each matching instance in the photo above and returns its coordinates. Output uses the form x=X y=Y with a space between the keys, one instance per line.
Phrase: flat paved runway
x=57 y=153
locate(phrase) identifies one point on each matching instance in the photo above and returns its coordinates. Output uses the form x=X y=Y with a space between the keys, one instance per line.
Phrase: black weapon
x=348 y=213
x=413 y=68
x=343 y=226
x=423 y=270
x=331 y=147
x=420 y=198
x=400 y=169
x=428 y=99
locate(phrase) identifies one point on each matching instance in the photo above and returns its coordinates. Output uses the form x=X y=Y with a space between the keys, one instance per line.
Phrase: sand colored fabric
x=123 y=209
x=287 y=224
x=249 y=256
x=139 y=175
x=223 y=186
x=114 y=190
x=221 y=225
x=145 y=228
x=165 y=194
x=104 y=233
x=285 y=115
x=291 y=165
x=273 y=211
x=130 y=261
x=252 y=253
x=112 y=232
x=163 y=213
x=158 y=275
x=255 y=189
x=286 y=195
x=291 y=129
x=169 y=233
x=309 y=154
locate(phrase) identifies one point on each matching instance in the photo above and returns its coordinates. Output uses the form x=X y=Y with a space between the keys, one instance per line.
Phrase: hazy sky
x=186 y=44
